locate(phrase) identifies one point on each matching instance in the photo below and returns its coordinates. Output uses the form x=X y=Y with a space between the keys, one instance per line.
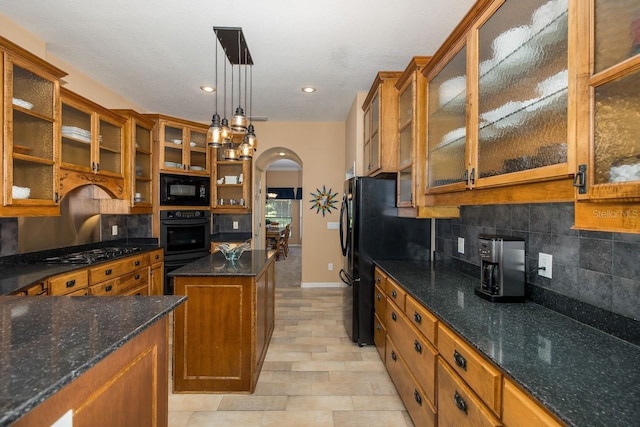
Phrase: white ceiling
x=157 y=53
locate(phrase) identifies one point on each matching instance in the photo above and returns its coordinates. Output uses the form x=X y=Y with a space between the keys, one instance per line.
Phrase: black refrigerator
x=370 y=230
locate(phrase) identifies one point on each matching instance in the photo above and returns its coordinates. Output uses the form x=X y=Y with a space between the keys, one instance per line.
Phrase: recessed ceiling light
x=308 y=89
x=282 y=153
x=208 y=89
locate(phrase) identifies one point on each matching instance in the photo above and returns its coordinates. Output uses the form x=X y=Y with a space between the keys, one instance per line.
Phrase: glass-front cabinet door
x=522 y=91
x=30 y=134
x=447 y=122
x=183 y=146
x=198 y=152
x=609 y=163
x=110 y=147
x=405 y=159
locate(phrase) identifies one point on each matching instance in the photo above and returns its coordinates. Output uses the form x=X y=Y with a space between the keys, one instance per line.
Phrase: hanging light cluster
x=238 y=139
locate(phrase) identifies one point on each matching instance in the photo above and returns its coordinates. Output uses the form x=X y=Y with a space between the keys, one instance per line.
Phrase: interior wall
x=289 y=179
x=354 y=135
x=322 y=154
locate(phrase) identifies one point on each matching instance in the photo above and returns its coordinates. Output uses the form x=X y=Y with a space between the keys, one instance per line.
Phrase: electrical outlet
x=545 y=265
x=461 y=245
x=330 y=266
x=235 y=225
x=114 y=230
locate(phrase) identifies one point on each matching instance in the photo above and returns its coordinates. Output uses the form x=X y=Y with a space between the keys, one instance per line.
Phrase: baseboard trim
x=321 y=285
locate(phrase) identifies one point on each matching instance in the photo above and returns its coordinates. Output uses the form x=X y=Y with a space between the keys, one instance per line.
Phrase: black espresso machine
x=502 y=277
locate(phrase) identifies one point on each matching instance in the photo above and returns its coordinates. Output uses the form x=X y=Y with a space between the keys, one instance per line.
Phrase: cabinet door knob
x=394 y=294
x=108 y=272
x=393 y=316
x=460 y=403
x=417 y=397
x=417 y=346
x=379 y=297
x=393 y=355
x=460 y=360
x=71 y=283
x=379 y=327
x=137 y=277
x=417 y=317
x=137 y=263
x=108 y=288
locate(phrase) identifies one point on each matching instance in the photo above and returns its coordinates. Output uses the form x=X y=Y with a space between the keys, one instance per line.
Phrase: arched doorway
x=277 y=198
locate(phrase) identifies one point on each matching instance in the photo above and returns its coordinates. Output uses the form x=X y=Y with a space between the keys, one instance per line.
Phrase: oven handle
x=190 y=221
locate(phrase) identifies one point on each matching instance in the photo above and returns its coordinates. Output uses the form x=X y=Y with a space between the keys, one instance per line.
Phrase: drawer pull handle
x=137 y=277
x=137 y=263
x=460 y=403
x=393 y=316
x=108 y=272
x=417 y=397
x=393 y=355
x=460 y=360
x=157 y=256
x=417 y=346
x=417 y=317
x=394 y=294
x=71 y=283
x=379 y=327
x=108 y=288
x=379 y=297
x=378 y=278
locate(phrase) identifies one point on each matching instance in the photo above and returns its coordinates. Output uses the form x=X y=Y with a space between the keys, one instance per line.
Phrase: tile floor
x=313 y=375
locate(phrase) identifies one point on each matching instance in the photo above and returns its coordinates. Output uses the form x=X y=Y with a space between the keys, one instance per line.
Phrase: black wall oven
x=185 y=236
x=183 y=190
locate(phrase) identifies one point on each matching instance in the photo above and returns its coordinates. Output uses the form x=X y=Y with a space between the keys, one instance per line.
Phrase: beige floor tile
x=287 y=356
x=318 y=365
x=369 y=419
x=265 y=388
x=276 y=365
x=345 y=357
x=384 y=388
x=194 y=402
x=368 y=366
x=298 y=376
x=298 y=419
x=225 y=418
x=358 y=377
x=342 y=389
x=320 y=403
x=377 y=403
x=253 y=403
x=178 y=418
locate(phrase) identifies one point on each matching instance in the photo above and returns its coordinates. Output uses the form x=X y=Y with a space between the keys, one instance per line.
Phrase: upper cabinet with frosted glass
x=498 y=100
x=380 y=146
x=30 y=113
x=608 y=157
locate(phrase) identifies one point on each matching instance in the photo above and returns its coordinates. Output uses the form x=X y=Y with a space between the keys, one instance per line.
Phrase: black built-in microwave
x=184 y=190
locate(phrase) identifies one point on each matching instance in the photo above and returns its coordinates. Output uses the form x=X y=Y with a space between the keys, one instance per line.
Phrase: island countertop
x=585 y=376
x=251 y=263
x=47 y=342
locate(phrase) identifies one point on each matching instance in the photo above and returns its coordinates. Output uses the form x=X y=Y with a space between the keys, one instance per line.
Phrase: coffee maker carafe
x=502 y=276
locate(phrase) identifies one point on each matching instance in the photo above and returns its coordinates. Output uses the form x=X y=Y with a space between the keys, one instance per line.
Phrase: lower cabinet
x=520 y=410
x=127 y=388
x=222 y=332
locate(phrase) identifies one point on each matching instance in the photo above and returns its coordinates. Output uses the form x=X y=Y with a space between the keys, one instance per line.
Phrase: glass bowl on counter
x=233 y=253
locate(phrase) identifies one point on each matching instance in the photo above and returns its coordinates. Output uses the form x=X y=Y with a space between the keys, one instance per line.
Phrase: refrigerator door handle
x=346 y=279
x=344 y=215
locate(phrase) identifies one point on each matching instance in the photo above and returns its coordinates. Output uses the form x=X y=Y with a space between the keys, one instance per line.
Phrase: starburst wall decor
x=323 y=201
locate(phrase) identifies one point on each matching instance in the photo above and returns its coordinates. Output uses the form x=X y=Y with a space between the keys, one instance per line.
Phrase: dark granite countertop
x=585 y=376
x=251 y=263
x=48 y=341
x=27 y=270
x=231 y=236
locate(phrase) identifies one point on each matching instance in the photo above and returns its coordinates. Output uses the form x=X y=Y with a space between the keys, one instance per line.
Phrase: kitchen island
x=97 y=357
x=221 y=334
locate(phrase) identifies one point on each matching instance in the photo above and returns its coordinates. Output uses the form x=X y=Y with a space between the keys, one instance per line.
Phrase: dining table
x=273 y=234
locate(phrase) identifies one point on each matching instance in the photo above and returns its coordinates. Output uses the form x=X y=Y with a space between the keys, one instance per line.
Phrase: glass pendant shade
x=231 y=154
x=214 y=134
x=239 y=121
x=225 y=131
x=250 y=137
x=246 y=151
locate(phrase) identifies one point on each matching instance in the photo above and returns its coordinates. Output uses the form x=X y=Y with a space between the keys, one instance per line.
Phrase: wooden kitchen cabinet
x=92 y=146
x=520 y=410
x=380 y=310
x=181 y=145
x=72 y=282
x=139 y=167
x=608 y=158
x=380 y=125
x=501 y=106
x=230 y=195
x=30 y=114
x=156 y=272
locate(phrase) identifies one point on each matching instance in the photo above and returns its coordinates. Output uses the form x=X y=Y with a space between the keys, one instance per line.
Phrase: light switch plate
x=461 y=245
x=546 y=261
x=235 y=225
x=114 y=230
x=330 y=266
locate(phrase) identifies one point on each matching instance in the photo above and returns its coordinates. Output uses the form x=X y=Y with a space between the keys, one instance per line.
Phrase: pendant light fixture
x=236 y=50
x=214 y=134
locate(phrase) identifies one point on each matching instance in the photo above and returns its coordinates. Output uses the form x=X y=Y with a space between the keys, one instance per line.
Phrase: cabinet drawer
x=68 y=282
x=421 y=319
x=142 y=290
x=457 y=404
x=106 y=288
x=379 y=335
x=113 y=269
x=379 y=278
x=520 y=410
x=32 y=290
x=417 y=352
x=396 y=293
x=419 y=408
x=133 y=281
x=481 y=376
x=79 y=293
x=380 y=302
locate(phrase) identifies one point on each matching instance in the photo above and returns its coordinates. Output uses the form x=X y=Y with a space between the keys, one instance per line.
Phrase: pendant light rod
x=228 y=37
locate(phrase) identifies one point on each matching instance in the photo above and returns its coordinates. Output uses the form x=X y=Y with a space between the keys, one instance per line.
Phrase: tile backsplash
x=598 y=268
